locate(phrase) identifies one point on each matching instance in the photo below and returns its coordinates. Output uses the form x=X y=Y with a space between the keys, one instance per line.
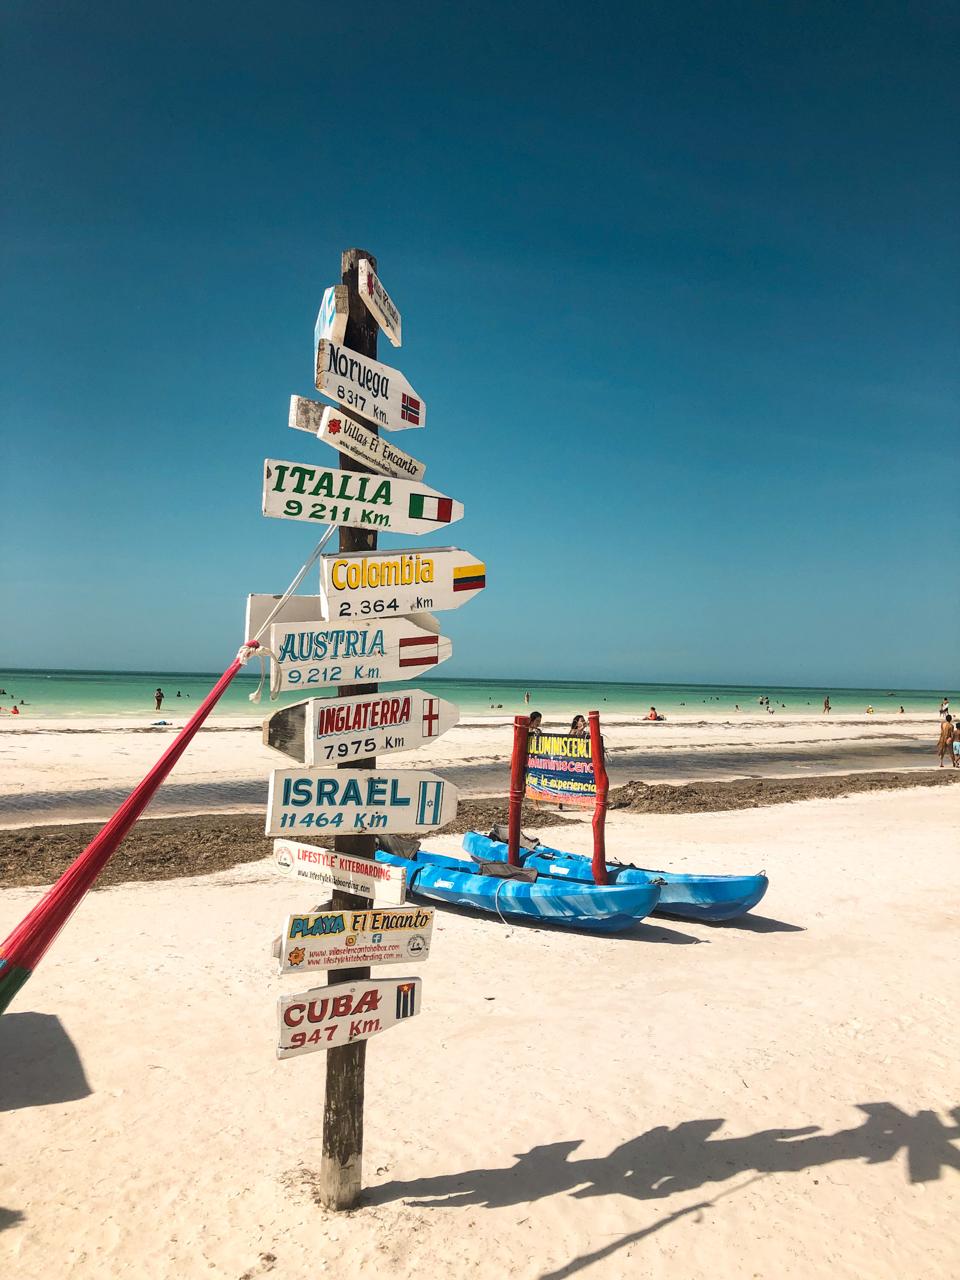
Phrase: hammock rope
x=23 y=949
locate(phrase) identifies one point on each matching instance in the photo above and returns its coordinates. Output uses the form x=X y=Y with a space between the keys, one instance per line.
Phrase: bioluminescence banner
x=560 y=770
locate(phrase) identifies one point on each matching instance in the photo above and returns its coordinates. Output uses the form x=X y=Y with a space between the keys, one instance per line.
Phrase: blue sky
x=679 y=284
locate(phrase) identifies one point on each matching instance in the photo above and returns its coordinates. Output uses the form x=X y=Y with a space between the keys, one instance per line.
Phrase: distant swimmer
x=870 y=710
x=526 y=698
x=179 y=694
x=158 y=695
x=902 y=712
x=826 y=705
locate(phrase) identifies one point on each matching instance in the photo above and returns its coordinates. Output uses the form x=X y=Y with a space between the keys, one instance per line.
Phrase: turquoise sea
x=112 y=693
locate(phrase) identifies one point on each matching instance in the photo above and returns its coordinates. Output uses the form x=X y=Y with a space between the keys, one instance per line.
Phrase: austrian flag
x=410 y=409
x=425 y=507
x=419 y=651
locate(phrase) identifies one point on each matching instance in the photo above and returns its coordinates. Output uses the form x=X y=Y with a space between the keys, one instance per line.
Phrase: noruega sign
x=370 y=388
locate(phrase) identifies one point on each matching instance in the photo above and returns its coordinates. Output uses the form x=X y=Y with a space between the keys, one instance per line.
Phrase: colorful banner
x=560 y=770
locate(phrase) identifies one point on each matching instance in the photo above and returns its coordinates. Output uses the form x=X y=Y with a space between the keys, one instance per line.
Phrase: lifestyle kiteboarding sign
x=332 y=869
x=374 y=390
x=326 y=1017
x=351 y=801
x=362 y=584
x=335 y=939
x=369 y=724
x=298 y=491
x=347 y=434
x=319 y=655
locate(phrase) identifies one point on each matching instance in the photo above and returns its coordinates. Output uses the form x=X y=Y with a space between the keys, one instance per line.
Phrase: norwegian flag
x=431 y=717
x=410 y=409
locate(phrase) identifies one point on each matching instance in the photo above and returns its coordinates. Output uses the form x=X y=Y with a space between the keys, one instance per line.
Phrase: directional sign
x=333 y=730
x=326 y=1017
x=362 y=584
x=304 y=611
x=350 y=801
x=374 y=390
x=346 y=433
x=378 y=302
x=342 y=939
x=334 y=870
x=332 y=317
x=319 y=655
x=356 y=499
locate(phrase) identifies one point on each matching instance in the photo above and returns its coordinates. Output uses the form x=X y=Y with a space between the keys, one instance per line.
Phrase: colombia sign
x=560 y=770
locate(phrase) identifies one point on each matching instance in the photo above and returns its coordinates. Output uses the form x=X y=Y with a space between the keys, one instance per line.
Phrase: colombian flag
x=470 y=577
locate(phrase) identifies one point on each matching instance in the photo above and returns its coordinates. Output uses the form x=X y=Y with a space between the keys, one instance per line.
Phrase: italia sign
x=365 y=584
x=326 y=1017
x=354 y=801
x=320 y=655
x=377 y=301
x=331 y=869
x=335 y=730
x=347 y=434
x=338 y=939
x=374 y=390
x=299 y=491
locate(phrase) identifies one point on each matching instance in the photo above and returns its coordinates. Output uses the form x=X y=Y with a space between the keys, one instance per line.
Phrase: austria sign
x=299 y=491
x=338 y=730
x=392 y=583
x=347 y=434
x=320 y=655
x=354 y=801
x=378 y=302
x=331 y=869
x=301 y=613
x=326 y=1017
x=332 y=317
x=369 y=388
x=342 y=939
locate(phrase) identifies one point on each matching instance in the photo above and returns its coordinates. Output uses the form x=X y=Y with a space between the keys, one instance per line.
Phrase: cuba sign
x=343 y=1013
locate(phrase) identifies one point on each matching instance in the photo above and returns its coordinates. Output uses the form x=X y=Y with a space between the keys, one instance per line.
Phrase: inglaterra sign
x=364 y=584
x=356 y=801
x=326 y=1017
x=335 y=730
x=301 y=491
x=374 y=390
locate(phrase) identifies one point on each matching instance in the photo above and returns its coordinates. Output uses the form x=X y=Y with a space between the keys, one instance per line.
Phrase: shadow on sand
x=667 y=1161
x=40 y=1063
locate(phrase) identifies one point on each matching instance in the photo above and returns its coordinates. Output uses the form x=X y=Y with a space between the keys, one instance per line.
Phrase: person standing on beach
x=947 y=737
x=158 y=695
x=945 y=708
x=826 y=705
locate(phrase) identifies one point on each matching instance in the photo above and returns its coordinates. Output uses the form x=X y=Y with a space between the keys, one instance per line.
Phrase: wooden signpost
x=378 y=301
x=331 y=869
x=347 y=433
x=350 y=801
x=325 y=495
x=340 y=1015
x=330 y=730
x=380 y=394
x=316 y=655
x=375 y=935
x=390 y=583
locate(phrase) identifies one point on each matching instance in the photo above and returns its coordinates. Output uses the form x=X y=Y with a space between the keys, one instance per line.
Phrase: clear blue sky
x=679 y=284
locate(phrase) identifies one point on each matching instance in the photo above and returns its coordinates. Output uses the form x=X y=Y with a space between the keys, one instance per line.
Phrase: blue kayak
x=691 y=897
x=601 y=909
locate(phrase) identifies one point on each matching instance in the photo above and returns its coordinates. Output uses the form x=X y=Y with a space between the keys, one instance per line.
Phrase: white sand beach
x=766 y=1098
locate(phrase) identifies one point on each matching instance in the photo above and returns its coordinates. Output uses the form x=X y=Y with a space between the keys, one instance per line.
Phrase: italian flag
x=425 y=507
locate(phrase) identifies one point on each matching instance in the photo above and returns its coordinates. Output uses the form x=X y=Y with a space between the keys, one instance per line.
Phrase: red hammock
x=22 y=950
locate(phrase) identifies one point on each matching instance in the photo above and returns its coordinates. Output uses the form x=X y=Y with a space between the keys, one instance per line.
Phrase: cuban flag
x=431 y=717
x=406 y=999
x=429 y=803
x=424 y=506
x=410 y=409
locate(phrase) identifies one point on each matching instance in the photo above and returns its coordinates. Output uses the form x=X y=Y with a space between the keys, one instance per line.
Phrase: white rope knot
x=246 y=651
x=263 y=653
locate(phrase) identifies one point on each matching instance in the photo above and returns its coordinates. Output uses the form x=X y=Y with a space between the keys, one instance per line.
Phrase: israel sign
x=356 y=801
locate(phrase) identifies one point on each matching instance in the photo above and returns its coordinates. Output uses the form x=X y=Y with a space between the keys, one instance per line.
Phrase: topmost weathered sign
x=370 y=388
x=378 y=302
x=332 y=316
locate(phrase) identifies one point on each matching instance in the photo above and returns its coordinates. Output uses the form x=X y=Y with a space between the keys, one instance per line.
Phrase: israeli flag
x=429 y=802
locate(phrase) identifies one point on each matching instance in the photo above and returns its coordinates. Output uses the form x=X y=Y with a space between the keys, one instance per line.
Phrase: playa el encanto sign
x=317 y=656
x=347 y=434
x=352 y=801
x=367 y=583
x=299 y=491
x=331 y=869
x=334 y=730
x=374 y=390
x=340 y=939
x=332 y=317
x=326 y=1017
x=378 y=302
x=560 y=770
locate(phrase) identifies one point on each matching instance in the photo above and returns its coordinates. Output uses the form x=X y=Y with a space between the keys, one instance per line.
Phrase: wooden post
x=341 y=1162
x=518 y=768
x=600 y=809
